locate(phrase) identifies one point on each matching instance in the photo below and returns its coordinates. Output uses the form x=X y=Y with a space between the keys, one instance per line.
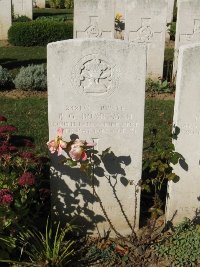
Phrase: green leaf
x=70 y=163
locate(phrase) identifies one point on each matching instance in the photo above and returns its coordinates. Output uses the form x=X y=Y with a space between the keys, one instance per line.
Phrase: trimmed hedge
x=39 y=33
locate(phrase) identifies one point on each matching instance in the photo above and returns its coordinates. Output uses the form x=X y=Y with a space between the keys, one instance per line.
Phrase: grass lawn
x=30 y=117
x=14 y=57
x=38 y=12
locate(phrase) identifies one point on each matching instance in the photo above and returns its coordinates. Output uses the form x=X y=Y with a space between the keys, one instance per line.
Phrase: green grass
x=30 y=116
x=40 y=12
x=158 y=115
x=14 y=57
x=169 y=54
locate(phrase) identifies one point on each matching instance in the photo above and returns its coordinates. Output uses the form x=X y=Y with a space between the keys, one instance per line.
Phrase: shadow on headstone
x=75 y=205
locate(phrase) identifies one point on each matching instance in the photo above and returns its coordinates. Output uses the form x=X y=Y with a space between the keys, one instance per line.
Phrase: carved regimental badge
x=95 y=76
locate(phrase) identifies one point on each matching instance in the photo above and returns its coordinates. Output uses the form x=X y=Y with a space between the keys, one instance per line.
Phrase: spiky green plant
x=50 y=248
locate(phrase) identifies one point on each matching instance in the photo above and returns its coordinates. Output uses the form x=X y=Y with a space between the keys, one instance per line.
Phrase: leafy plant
x=159 y=86
x=119 y=23
x=182 y=247
x=33 y=77
x=109 y=253
x=49 y=249
x=172 y=30
x=39 y=33
x=24 y=193
x=61 y=3
x=56 y=18
x=21 y=19
x=69 y=4
x=5 y=78
x=7 y=244
x=158 y=169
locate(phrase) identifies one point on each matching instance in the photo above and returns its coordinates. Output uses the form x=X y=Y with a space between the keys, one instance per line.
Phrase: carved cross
x=194 y=36
x=93 y=30
x=145 y=34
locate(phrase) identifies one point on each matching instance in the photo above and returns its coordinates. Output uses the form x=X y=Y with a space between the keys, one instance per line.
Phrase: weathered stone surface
x=40 y=3
x=94 y=19
x=170 y=10
x=5 y=18
x=184 y=196
x=187 y=26
x=23 y=8
x=145 y=23
x=96 y=90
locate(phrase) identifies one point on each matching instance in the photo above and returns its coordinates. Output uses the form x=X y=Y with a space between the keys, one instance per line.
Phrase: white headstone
x=187 y=26
x=170 y=10
x=40 y=3
x=96 y=90
x=184 y=196
x=94 y=19
x=145 y=23
x=23 y=8
x=5 y=18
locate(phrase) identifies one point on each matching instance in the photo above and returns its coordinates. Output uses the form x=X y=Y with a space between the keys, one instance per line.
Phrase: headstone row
x=145 y=24
x=96 y=92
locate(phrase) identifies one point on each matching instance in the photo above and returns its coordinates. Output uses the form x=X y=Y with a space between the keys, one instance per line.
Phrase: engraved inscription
x=95 y=76
x=81 y=119
x=190 y=129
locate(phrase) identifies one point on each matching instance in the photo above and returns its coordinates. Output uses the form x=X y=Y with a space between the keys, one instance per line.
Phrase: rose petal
x=83 y=156
x=60 y=132
x=63 y=144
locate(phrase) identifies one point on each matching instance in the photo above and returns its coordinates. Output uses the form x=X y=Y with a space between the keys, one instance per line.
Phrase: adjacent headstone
x=23 y=8
x=94 y=19
x=170 y=10
x=184 y=196
x=145 y=23
x=5 y=18
x=40 y=3
x=96 y=90
x=187 y=26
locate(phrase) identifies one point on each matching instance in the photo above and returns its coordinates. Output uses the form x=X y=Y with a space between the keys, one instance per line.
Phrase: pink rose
x=57 y=144
x=77 y=151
